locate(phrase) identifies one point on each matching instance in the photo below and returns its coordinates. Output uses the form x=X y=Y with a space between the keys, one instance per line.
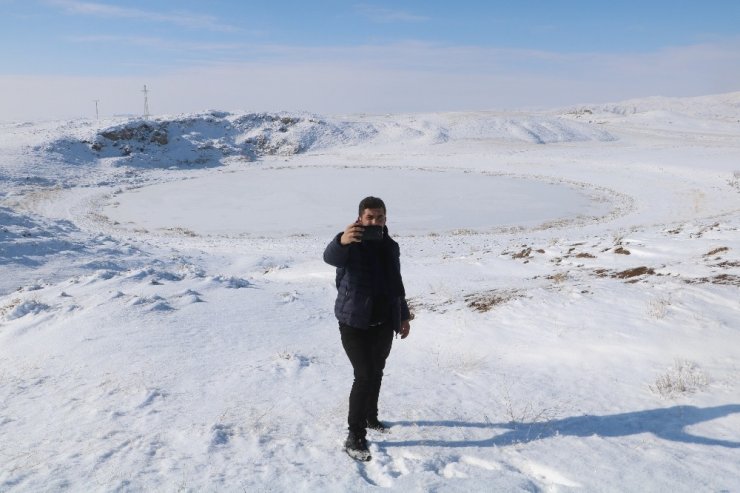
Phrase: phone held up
x=372 y=233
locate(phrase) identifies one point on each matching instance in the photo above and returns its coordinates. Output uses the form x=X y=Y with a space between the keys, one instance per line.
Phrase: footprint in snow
x=102 y=275
x=32 y=287
x=288 y=297
x=152 y=396
x=467 y=466
x=17 y=309
x=162 y=306
x=293 y=362
x=155 y=303
x=156 y=276
x=232 y=282
x=188 y=297
x=545 y=474
x=267 y=265
x=221 y=435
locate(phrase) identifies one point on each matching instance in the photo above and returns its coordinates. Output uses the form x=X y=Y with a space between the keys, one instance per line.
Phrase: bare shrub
x=658 y=308
x=558 y=277
x=523 y=254
x=10 y=306
x=735 y=180
x=526 y=412
x=683 y=377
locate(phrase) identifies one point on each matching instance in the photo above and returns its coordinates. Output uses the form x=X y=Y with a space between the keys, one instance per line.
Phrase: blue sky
x=345 y=56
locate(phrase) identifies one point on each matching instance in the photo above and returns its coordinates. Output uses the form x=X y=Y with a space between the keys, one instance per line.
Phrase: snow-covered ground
x=166 y=317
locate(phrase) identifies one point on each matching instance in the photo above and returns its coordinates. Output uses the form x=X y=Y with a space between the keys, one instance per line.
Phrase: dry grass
x=637 y=271
x=683 y=377
x=486 y=301
x=658 y=308
x=585 y=255
x=724 y=279
x=526 y=412
x=716 y=251
x=522 y=254
x=9 y=306
x=559 y=277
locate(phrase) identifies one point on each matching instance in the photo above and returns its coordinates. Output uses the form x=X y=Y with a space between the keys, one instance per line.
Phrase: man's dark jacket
x=364 y=270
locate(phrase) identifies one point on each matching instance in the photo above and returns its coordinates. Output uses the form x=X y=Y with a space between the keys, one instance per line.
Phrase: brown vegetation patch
x=416 y=305
x=558 y=278
x=716 y=251
x=726 y=279
x=10 y=306
x=585 y=255
x=637 y=271
x=728 y=264
x=622 y=251
x=704 y=230
x=483 y=302
x=141 y=133
x=523 y=254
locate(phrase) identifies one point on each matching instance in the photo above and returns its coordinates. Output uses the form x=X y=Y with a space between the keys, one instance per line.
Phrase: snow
x=248 y=204
x=166 y=317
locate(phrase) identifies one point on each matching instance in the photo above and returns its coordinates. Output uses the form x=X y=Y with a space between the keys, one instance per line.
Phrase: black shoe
x=356 y=447
x=376 y=425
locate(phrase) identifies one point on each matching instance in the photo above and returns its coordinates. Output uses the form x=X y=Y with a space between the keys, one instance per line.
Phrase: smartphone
x=372 y=233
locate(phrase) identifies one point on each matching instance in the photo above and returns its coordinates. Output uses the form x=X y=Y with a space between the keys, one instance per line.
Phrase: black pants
x=367 y=350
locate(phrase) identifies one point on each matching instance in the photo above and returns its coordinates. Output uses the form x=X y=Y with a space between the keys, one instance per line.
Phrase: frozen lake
x=320 y=200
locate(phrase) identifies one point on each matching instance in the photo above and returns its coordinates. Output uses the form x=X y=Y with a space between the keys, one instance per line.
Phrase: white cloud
x=399 y=78
x=158 y=43
x=381 y=14
x=183 y=19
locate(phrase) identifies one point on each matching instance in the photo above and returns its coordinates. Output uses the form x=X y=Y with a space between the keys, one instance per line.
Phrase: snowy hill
x=205 y=139
x=718 y=107
x=166 y=317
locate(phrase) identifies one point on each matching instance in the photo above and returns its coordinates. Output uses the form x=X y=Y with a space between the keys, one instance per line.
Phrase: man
x=370 y=307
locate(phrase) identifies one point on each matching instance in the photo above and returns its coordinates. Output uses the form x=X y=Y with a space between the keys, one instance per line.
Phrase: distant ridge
x=719 y=106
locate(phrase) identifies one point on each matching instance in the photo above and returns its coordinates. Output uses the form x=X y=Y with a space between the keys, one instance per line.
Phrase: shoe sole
x=358 y=456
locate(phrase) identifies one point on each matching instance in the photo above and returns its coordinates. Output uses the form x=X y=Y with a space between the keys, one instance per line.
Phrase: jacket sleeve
x=335 y=254
x=405 y=313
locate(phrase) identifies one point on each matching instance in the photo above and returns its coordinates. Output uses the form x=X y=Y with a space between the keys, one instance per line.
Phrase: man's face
x=373 y=217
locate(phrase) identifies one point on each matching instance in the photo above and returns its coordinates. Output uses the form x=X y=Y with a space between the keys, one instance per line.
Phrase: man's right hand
x=352 y=234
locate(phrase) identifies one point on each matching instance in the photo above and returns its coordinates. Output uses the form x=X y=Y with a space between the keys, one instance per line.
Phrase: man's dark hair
x=371 y=203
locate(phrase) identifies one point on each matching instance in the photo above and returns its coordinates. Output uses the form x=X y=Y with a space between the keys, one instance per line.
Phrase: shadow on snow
x=667 y=423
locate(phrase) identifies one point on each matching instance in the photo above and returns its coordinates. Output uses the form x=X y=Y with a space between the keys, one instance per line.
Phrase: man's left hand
x=405 y=329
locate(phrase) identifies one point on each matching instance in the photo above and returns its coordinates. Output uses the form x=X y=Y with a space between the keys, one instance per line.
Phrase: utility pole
x=97 y=115
x=146 y=102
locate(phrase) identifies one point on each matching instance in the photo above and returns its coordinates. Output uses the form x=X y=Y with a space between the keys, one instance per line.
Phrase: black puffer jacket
x=367 y=271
